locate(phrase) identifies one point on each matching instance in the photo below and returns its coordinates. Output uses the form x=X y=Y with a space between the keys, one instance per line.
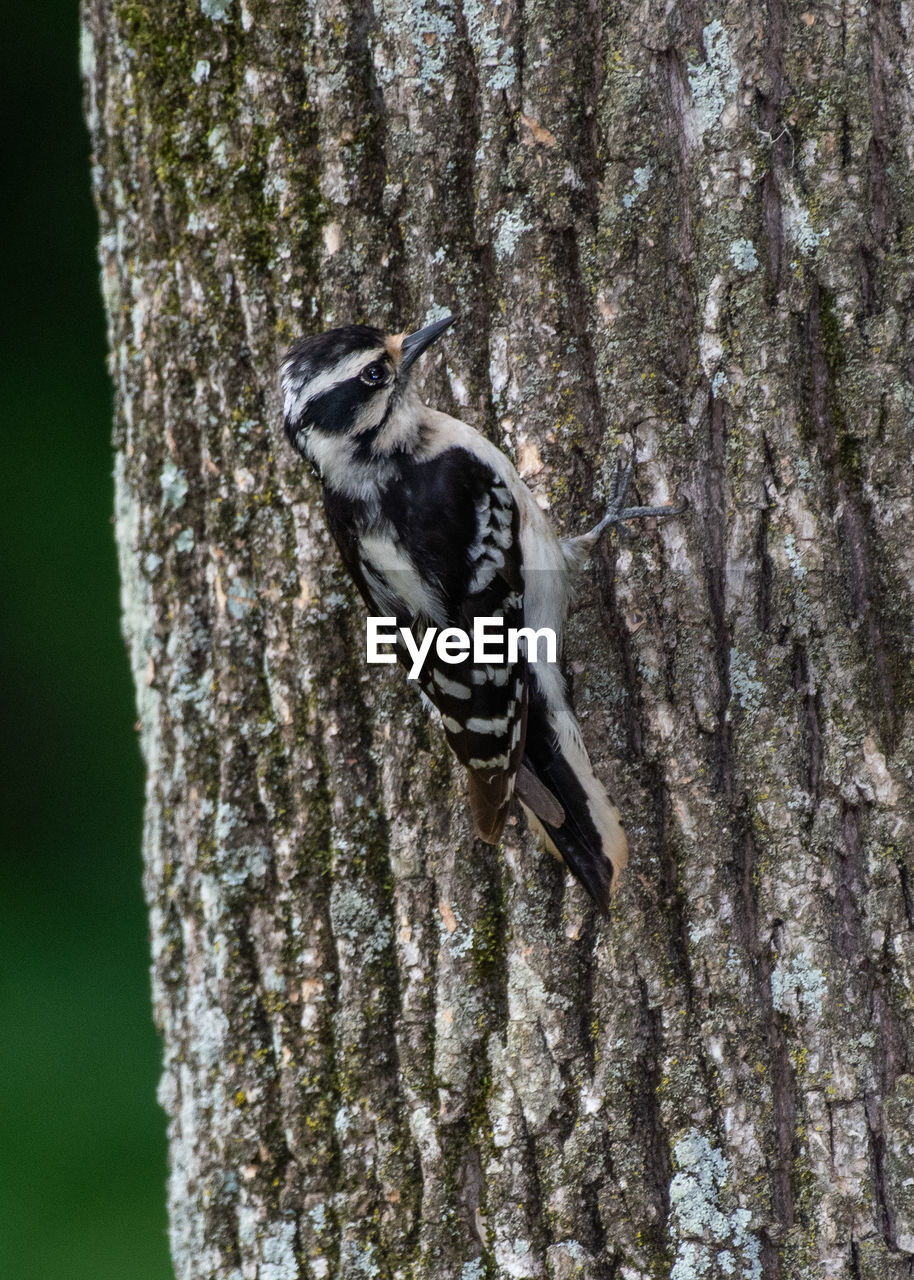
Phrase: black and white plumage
x=437 y=529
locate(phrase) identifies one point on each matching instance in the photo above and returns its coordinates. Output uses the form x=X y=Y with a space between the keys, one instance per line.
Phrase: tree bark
x=390 y=1050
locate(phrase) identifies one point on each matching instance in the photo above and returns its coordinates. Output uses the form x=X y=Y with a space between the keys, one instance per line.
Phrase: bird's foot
x=617 y=512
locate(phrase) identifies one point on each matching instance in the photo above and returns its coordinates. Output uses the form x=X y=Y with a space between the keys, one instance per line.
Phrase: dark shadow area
x=82 y=1176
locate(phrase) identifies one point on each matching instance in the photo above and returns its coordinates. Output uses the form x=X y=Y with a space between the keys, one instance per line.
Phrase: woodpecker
x=436 y=528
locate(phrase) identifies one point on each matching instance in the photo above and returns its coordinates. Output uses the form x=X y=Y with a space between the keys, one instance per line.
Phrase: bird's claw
x=617 y=512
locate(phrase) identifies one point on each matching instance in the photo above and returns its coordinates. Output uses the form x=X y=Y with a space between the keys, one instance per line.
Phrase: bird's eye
x=375 y=375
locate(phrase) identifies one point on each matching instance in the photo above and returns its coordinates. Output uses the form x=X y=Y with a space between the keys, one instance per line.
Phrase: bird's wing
x=456 y=558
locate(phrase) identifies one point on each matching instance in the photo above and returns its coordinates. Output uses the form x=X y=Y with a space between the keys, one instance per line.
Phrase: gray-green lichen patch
x=711 y=1237
x=218 y=142
x=358 y=1262
x=640 y=179
x=567 y=1260
x=747 y=688
x=713 y=81
x=357 y=922
x=510 y=228
x=797 y=986
x=217 y=10
x=432 y=31
x=496 y=56
x=794 y=559
x=743 y=255
x=173 y=484
x=273 y=1243
x=799 y=224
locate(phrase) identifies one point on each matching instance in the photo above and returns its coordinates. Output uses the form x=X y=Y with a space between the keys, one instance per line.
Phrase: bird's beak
x=415 y=343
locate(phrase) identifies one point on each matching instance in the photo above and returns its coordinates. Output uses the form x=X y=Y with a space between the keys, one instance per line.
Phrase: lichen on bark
x=390 y=1050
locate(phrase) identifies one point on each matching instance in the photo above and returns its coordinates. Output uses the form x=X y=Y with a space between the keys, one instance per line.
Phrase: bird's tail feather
x=590 y=840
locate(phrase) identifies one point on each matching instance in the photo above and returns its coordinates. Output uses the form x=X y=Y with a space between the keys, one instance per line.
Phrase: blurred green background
x=82 y=1145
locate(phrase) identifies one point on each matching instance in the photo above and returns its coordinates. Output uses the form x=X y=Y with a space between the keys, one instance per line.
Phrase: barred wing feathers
x=443 y=551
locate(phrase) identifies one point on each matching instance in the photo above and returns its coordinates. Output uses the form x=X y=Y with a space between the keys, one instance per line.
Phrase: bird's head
x=353 y=384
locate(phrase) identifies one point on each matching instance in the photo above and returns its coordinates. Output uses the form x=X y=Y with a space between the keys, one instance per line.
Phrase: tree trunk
x=390 y=1050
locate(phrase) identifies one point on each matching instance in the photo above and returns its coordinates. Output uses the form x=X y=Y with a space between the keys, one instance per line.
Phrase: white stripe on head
x=300 y=390
x=371 y=414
